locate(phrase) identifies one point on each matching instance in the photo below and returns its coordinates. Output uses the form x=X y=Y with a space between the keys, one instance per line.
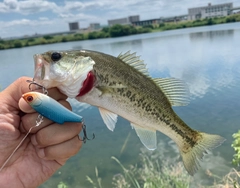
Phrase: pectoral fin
x=147 y=137
x=109 y=118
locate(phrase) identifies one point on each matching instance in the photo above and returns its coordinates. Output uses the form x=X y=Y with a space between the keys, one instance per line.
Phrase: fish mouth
x=39 y=67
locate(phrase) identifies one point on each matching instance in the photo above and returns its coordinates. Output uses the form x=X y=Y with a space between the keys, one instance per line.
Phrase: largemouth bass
x=122 y=86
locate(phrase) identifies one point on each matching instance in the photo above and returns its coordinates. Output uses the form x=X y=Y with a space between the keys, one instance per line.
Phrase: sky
x=28 y=17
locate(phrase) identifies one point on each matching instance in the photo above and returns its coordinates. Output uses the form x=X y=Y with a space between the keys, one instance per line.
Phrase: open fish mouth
x=39 y=67
x=68 y=75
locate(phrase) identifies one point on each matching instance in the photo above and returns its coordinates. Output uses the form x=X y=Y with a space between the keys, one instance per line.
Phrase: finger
x=61 y=151
x=56 y=94
x=24 y=106
x=14 y=91
x=29 y=120
x=56 y=134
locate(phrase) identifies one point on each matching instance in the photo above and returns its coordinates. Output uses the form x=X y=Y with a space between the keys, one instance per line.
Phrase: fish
x=50 y=108
x=122 y=86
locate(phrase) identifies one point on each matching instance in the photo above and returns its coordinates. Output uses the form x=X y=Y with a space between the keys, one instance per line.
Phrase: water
x=206 y=58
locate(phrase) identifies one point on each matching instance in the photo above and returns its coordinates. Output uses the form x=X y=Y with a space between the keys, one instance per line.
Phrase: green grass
x=153 y=171
x=236 y=147
x=163 y=169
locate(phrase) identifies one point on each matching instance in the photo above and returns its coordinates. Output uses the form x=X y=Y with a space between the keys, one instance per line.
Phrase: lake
x=206 y=58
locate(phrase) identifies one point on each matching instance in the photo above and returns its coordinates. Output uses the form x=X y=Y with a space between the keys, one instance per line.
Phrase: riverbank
x=115 y=31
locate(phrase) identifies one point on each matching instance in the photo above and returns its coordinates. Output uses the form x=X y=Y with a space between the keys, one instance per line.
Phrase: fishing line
x=39 y=120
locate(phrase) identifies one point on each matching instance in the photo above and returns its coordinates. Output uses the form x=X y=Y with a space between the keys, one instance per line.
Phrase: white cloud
x=11 y=4
x=30 y=7
x=43 y=18
x=27 y=6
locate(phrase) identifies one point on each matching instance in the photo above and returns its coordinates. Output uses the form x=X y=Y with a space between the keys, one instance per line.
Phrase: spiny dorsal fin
x=176 y=90
x=134 y=61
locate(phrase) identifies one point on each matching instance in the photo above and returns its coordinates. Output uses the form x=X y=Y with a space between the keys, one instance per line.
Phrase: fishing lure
x=49 y=108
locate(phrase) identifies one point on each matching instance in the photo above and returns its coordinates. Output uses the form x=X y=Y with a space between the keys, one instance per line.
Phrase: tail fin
x=194 y=155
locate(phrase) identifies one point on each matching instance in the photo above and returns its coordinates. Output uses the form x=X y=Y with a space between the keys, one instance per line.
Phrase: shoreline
x=115 y=31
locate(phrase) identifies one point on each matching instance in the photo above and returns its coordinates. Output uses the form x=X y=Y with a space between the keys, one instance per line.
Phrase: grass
x=156 y=170
x=150 y=172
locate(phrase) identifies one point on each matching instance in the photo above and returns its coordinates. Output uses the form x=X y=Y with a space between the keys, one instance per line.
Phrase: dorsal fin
x=134 y=61
x=176 y=90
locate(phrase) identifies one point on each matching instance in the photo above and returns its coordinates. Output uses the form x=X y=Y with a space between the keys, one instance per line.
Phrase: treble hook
x=85 y=137
x=32 y=82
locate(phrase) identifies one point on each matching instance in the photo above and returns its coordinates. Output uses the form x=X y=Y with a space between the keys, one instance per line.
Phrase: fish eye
x=56 y=56
x=29 y=98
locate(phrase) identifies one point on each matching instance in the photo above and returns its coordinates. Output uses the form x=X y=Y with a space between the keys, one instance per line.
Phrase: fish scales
x=122 y=86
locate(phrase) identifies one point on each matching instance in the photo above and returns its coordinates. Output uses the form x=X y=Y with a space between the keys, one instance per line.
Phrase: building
x=94 y=26
x=123 y=21
x=210 y=11
x=73 y=26
x=146 y=22
x=135 y=18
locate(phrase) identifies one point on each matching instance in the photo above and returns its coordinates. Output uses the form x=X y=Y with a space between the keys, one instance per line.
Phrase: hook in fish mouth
x=32 y=82
x=85 y=137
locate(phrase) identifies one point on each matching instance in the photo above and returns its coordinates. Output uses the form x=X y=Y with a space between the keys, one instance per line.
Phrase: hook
x=32 y=82
x=85 y=137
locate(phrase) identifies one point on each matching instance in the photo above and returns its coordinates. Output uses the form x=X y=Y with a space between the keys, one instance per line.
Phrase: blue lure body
x=50 y=108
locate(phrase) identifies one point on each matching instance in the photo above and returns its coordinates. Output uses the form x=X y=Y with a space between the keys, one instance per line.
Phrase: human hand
x=48 y=147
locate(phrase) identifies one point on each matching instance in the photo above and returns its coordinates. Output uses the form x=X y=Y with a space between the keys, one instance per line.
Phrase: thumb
x=13 y=92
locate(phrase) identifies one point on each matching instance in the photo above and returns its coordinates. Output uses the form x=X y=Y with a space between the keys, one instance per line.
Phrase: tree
x=105 y=29
x=17 y=44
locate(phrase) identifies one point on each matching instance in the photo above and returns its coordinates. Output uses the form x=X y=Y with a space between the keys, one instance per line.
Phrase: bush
x=93 y=35
x=47 y=37
x=78 y=36
x=43 y=41
x=105 y=29
x=31 y=40
x=210 y=21
x=230 y=19
x=122 y=30
x=161 y=24
x=64 y=39
x=17 y=44
x=236 y=146
x=2 y=47
x=148 y=26
x=143 y=30
x=2 y=41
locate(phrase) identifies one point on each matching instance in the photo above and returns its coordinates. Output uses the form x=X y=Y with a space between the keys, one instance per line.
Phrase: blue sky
x=27 y=17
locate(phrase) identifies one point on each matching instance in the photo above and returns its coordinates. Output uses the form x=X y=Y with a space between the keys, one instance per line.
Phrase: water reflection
x=211 y=34
x=205 y=66
x=121 y=45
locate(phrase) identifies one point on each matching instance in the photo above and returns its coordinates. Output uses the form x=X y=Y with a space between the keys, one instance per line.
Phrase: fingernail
x=41 y=153
x=33 y=140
